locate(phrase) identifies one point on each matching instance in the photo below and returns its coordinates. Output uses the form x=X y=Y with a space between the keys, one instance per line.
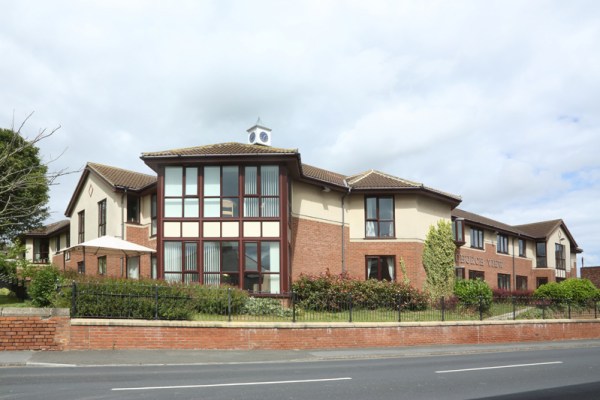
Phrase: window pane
x=172 y=208
x=212 y=263
x=212 y=207
x=133 y=267
x=212 y=181
x=172 y=257
x=251 y=207
x=269 y=180
x=270 y=283
x=230 y=207
x=541 y=249
x=371 y=229
x=191 y=256
x=252 y=282
x=173 y=181
x=372 y=264
x=250 y=257
x=386 y=208
x=230 y=181
x=231 y=257
x=191 y=181
x=386 y=229
x=269 y=256
x=250 y=180
x=270 y=207
x=191 y=208
x=387 y=265
x=371 y=208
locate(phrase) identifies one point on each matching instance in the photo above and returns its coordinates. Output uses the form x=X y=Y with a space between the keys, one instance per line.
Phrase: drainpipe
x=343 y=225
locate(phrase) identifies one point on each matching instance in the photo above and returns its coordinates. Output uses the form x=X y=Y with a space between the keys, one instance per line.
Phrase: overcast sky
x=498 y=102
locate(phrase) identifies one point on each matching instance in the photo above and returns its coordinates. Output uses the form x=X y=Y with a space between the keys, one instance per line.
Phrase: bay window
x=181 y=192
x=221 y=263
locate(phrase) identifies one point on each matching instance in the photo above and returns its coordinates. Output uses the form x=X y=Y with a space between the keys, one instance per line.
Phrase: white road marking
x=232 y=384
x=498 y=367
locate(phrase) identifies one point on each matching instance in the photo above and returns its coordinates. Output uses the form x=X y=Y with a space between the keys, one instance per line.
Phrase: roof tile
x=122 y=177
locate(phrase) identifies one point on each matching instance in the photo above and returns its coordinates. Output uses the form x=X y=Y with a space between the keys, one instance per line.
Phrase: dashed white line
x=498 y=367
x=232 y=384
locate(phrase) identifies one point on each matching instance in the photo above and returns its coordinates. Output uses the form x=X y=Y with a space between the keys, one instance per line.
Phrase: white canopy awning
x=111 y=245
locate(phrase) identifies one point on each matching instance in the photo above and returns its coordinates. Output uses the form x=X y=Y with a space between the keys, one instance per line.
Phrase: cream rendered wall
x=413 y=216
x=309 y=201
x=558 y=236
x=93 y=191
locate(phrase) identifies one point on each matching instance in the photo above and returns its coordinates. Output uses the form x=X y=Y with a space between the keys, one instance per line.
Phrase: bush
x=578 y=291
x=215 y=299
x=43 y=287
x=266 y=307
x=474 y=294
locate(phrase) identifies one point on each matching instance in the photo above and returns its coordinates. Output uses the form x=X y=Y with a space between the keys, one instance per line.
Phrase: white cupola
x=259 y=134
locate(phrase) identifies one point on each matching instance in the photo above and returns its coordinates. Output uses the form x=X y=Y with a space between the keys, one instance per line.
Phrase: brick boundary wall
x=34 y=329
x=52 y=329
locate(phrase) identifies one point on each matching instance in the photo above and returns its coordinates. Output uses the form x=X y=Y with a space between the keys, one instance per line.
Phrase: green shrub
x=266 y=307
x=474 y=294
x=215 y=299
x=43 y=287
x=575 y=290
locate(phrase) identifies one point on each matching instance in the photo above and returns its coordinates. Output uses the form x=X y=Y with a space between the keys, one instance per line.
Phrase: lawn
x=8 y=299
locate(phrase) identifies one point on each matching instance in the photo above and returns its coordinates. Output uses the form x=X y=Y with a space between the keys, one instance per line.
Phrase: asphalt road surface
x=572 y=373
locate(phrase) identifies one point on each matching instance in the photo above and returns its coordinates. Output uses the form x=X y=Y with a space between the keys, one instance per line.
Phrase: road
x=534 y=374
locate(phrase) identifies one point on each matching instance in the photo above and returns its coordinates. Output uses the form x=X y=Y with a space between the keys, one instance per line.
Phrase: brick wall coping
x=312 y=325
x=34 y=312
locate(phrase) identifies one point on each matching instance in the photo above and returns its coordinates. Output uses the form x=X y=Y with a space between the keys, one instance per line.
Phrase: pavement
x=89 y=358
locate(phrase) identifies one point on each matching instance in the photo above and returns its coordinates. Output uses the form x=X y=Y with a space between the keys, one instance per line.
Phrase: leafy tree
x=438 y=260
x=24 y=183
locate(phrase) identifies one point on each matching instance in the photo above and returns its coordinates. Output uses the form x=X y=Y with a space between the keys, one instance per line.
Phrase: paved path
x=198 y=357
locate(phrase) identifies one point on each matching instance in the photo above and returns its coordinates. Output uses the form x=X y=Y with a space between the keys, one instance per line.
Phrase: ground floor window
x=153 y=267
x=81 y=267
x=102 y=265
x=540 y=281
x=251 y=265
x=521 y=282
x=476 y=275
x=504 y=281
x=133 y=267
x=380 y=268
x=459 y=273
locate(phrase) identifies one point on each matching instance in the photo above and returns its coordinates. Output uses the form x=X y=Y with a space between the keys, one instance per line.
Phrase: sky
x=495 y=101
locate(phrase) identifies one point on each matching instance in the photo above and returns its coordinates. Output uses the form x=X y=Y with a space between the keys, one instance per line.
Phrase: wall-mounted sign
x=479 y=261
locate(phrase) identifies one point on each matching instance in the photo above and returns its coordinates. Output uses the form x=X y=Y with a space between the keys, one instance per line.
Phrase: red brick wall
x=591 y=273
x=33 y=329
x=188 y=335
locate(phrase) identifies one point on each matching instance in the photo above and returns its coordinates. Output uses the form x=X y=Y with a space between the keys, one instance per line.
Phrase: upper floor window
x=561 y=262
x=102 y=218
x=502 y=244
x=380 y=268
x=153 y=216
x=133 y=208
x=540 y=250
x=221 y=192
x=379 y=216
x=477 y=238
x=522 y=248
x=458 y=230
x=181 y=192
x=261 y=191
x=81 y=226
x=57 y=243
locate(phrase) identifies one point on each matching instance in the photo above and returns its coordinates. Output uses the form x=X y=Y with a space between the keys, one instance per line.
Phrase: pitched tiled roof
x=220 y=149
x=49 y=229
x=378 y=180
x=118 y=177
x=541 y=229
x=323 y=175
x=481 y=220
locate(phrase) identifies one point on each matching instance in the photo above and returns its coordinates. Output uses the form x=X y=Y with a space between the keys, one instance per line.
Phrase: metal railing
x=219 y=304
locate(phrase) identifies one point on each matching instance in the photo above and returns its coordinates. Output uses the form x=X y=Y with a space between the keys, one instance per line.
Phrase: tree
x=438 y=260
x=24 y=182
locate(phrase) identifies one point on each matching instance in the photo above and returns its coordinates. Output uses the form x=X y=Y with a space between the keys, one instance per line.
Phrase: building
x=592 y=273
x=254 y=216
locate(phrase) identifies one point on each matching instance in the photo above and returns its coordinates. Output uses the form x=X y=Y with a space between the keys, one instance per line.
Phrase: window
x=559 y=251
x=458 y=230
x=521 y=282
x=81 y=267
x=81 y=226
x=540 y=281
x=381 y=268
x=262 y=267
x=102 y=218
x=133 y=208
x=504 y=281
x=221 y=192
x=57 y=244
x=522 y=248
x=181 y=192
x=102 y=265
x=41 y=251
x=133 y=267
x=476 y=238
x=459 y=273
x=379 y=217
x=153 y=216
x=540 y=250
x=261 y=191
x=476 y=275
x=153 y=267
x=221 y=263
x=502 y=244
x=181 y=261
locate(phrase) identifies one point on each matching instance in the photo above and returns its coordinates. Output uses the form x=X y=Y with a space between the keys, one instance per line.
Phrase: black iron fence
x=221 y=304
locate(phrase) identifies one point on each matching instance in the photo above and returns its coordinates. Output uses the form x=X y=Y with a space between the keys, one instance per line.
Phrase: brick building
x=254 y=216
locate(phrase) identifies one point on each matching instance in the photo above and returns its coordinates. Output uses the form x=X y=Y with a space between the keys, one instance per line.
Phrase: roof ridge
x=352 y=179
x=398 y=178
x=93 y=164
